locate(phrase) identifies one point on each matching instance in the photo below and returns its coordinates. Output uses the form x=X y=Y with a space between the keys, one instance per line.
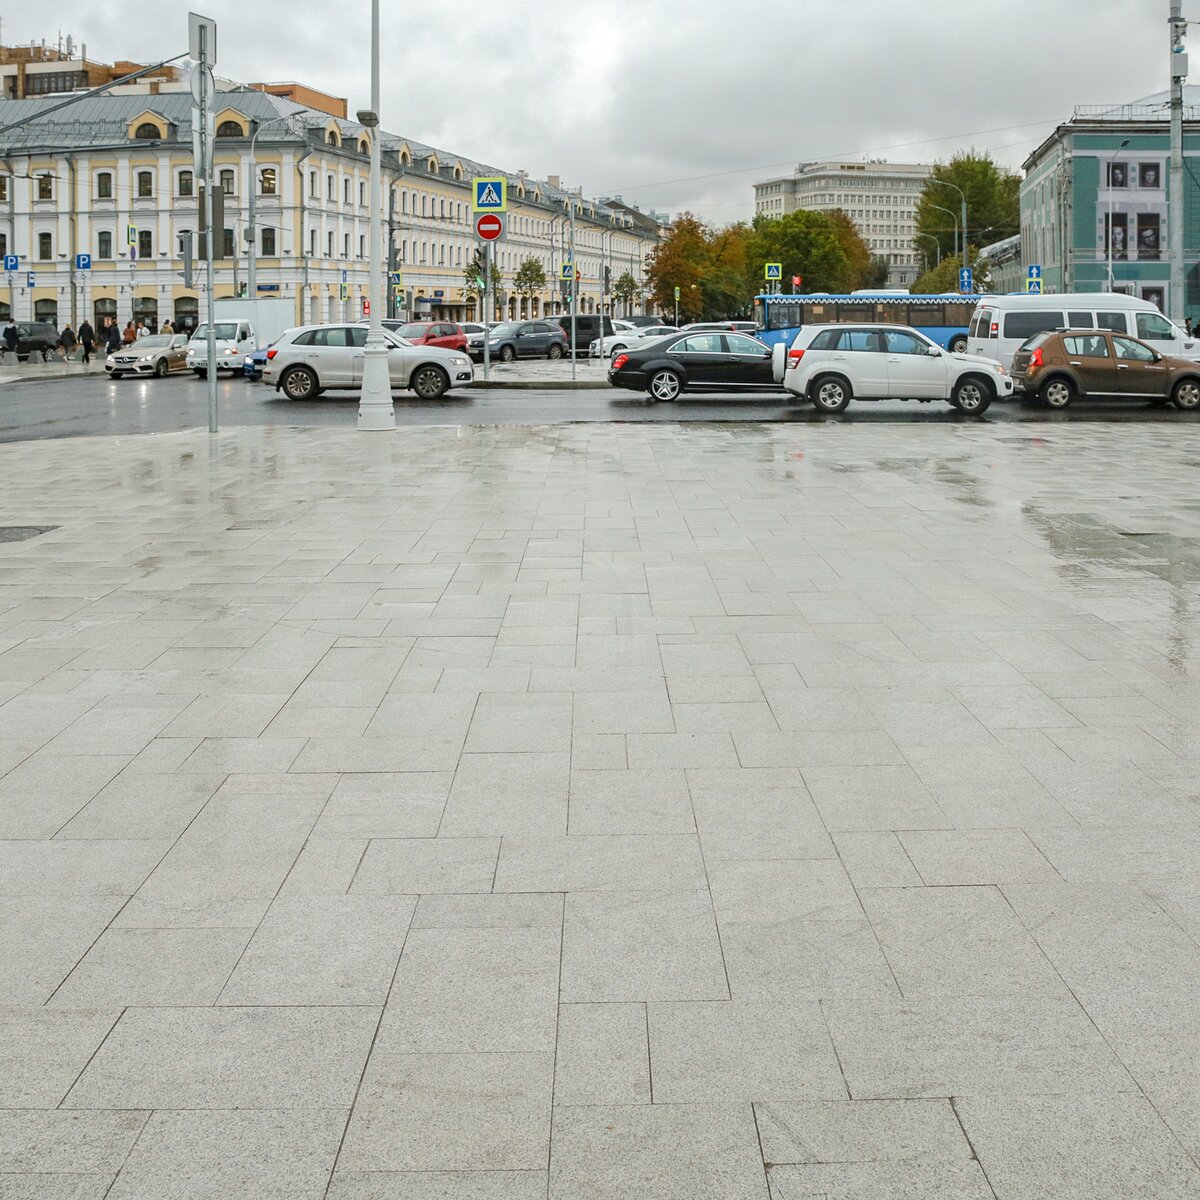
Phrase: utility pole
x=574 y=282
x=202 y=45
x=1176 y=301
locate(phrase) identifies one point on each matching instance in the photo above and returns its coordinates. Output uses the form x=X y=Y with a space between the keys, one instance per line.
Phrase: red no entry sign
x=489 y=227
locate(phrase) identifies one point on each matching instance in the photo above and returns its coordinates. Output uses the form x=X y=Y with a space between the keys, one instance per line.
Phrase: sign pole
x=485 y=301
x=207 y=154
x=574 y=285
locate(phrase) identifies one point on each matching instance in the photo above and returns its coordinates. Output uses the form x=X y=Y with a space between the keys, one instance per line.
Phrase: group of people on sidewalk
x=84 y=340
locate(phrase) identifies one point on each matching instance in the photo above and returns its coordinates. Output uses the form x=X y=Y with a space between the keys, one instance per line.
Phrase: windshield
x=411 y=331
x=226 y=331
x=395 y=340
x=505 y=330
x=154 y=342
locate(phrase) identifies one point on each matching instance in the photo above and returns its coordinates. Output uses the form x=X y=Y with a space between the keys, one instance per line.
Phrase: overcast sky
x=675 y=104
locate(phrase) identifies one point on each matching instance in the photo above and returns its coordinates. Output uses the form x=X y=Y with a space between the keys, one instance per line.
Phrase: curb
x=568 y=385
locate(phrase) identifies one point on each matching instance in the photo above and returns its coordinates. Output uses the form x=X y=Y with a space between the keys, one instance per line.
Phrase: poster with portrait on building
x=1149 y=231
x=1116 y=235
x=1150 y=176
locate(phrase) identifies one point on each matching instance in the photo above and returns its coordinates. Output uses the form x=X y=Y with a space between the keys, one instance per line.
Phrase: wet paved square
x=677 y=811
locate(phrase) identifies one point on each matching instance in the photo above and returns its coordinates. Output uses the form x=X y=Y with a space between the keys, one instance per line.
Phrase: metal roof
x=102 y=122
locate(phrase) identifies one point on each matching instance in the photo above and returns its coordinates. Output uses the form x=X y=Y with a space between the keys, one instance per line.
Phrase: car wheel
x=615 y=351
x=1057 y=393
x=958 y=345
x=160 y=368
x=431 y=382
x=1186 y=394
x=115 y=375
x=299 y=384
x=201 y=374
x=830 y=394
x=507 y=354
x=972 y=396
x=555 y=351
x=664 y=385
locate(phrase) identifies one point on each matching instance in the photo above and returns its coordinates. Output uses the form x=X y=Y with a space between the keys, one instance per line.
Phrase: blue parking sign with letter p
x=83 y=262
x=11 y=262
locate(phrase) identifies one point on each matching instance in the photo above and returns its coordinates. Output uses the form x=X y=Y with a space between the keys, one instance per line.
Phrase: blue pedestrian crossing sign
x=1033 y=279
x=490 y=194
x=567 y=272
x=773 y=271
x=83 y=262
x=11 y=262
x=966 y=281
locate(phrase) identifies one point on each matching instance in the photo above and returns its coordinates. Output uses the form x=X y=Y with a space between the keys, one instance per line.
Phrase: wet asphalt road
x=79 y=407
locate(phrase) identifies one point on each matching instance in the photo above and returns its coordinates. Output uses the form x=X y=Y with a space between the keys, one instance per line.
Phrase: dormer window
x=230 y=129
x=332 y=138
x=146 y=132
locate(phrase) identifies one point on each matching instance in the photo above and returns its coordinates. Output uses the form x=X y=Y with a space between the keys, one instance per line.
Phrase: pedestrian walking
x=129 y=336
x=69 y=342
x=12 y=338
x=113 y=342
x=87 y=339
x=141 y=330
x=167 y=327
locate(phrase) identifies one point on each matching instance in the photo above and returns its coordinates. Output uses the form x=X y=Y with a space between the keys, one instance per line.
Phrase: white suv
x=832 y=364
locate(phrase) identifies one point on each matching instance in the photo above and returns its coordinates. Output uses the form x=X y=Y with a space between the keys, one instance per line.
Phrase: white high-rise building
x=879 y=197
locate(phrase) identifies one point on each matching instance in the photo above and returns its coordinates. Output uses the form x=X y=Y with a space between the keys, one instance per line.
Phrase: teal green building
x=1095 y=203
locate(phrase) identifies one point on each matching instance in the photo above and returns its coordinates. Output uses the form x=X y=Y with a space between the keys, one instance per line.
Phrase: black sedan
x=695 y=362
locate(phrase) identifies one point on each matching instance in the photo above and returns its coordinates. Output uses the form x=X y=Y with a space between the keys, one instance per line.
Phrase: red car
x=433 y=333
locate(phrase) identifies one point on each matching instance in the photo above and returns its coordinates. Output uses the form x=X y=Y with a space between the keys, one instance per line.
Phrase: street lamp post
x=1109 y=229
x=962 y=194
x=937 y=248
x=954 y=219
x=252 y=231
x=375 y=411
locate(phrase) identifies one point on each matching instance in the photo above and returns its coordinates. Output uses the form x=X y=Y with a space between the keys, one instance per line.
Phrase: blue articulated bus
x=943 y=319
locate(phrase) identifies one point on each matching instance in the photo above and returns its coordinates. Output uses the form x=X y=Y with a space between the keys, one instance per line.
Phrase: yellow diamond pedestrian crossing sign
x=490 y=194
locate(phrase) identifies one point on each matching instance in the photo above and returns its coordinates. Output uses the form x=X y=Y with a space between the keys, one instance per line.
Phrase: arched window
x=431 y=166
x=230 y=129
x=267 y=181
x=364 y=146
x=332 y=138
x=146 y=132
x=458 y=172
x=145 y=184
x=405 y=158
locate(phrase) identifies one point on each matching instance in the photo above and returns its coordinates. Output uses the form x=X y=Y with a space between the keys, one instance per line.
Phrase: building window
x=312 y=184
x=345 y=191
x=145 y=184
x=362 y=246
x=268 y=242
x=230 y=246
x=1118 y=174
x=104 y=244
x=147 y=132
x=423 y=202
x=45 y=187
x=403 y=201
x=345 y=245
x=3 y=243
x=104 y=188
x=362 y=193
x=226 y=182
x=45 y=247
x=329 y=243
x=330 y=194
x=186 y=183
x=230 y=129
x=145 y=243
x=3 y=187
x=332 y=138
x=268 y=181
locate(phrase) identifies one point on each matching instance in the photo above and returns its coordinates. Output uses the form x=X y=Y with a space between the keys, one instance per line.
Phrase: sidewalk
x=544 y=373
x=601 y=811
x=12 y=371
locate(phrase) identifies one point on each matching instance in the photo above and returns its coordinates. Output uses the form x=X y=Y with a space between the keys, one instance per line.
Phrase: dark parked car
x=695 y=362
x=520 y=339
x=36 y=338
x=1062 y=365
x=587 y=328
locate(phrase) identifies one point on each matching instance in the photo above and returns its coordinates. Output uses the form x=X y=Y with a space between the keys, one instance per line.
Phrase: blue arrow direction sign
x=1034 y=271
x=11 y=262
x=83 y=262
x=966 y=280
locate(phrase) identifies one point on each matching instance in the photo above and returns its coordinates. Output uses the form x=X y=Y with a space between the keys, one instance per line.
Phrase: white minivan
x=1000 y=324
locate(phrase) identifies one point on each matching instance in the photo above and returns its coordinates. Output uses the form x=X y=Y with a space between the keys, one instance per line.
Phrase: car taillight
x=793 y=358
x=620 y=361
x=272 y=353
x=995 y=329
x=1035 y=359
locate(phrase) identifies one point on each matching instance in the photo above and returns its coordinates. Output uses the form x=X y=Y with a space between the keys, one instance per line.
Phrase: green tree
x=529 y=279
x=473 y=274
x=626 y=290
x=992 y=202
x=680 y=261
x=809 y=244
x=877 y=272
x=858 y=254
x=943 y=279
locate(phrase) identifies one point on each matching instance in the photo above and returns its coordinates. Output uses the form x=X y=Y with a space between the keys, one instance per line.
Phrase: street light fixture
x=252 y=232
x=937 y=247
x=1109 y=230
x=946 y=183
x=954 y=219
x=375 y=410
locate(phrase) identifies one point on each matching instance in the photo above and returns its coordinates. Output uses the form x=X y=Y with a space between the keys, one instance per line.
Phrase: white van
x=1000 y=324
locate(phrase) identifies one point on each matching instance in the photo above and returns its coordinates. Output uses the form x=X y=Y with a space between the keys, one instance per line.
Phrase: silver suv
x=307 y=361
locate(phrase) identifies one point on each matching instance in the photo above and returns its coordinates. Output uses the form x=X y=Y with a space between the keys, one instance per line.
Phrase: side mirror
x=933 y=352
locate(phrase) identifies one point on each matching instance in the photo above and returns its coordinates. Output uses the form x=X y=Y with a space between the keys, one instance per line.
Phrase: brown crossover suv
x=1067 y=363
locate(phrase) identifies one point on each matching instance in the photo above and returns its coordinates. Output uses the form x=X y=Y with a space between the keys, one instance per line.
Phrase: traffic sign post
x=773 y=272
x=966 y=281
x=676 y=306
x=1033 y=279
x=489 y=227
x=489 y=193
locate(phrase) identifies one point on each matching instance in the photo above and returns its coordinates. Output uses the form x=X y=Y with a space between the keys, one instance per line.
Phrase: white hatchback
x=833 y=364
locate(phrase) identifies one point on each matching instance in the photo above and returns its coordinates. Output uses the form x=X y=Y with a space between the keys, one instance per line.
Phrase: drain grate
x=22 y=533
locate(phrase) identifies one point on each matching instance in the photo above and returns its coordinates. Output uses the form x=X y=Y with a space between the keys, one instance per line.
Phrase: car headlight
x=229 y=350
x=191 y=352
x=248 y=361
x=1000 y=370
x=460 y=362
